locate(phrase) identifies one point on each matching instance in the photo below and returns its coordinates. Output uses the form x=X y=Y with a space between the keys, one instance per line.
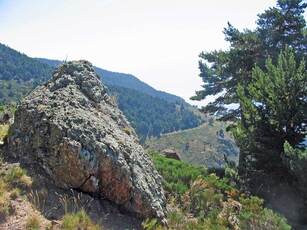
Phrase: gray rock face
x=71 y=129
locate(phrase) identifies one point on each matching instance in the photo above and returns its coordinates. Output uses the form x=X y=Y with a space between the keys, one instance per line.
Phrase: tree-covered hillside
x=19 y=74
x=150 y=112
x=152 y=116
x=124 y=80
x=19 y=67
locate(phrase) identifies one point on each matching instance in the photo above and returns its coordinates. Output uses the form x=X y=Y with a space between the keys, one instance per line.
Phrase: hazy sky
x=156 y=40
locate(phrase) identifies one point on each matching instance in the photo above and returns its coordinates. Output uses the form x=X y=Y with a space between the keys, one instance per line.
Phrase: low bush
x=177 y=174
x=207 y=202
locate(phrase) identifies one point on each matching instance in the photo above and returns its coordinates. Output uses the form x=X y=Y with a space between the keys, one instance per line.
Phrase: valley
x=207 y=145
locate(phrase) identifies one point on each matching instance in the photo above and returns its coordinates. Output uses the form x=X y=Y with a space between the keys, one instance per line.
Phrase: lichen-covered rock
x=71 y=129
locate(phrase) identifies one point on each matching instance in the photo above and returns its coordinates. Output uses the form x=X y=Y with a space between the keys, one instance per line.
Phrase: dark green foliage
x=177 y=174
x=254 y=215
x=283 y=26
x=152 y=116
x=19 y=74
x=295 y=159
x=12 y=91
x=223 y=71
x=19 y=67
x=274 y=110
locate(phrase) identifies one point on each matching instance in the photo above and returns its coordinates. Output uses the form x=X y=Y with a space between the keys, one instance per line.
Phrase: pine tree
x=283 y=26
x=222 y=71
x=274 y=111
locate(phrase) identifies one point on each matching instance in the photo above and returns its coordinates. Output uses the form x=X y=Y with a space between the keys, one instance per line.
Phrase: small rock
x=170 y=153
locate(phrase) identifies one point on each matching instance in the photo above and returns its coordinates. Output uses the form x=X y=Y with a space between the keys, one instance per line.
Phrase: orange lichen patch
x=114 y=184
x=69 y=169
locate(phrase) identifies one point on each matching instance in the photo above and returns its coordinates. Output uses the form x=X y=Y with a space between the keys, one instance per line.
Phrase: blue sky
x=156 y=40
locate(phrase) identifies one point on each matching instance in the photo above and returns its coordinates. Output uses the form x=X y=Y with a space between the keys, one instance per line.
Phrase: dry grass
x=10 y=181
x=33 y=222
x=5 y=205
x=4 y=130
x=75 y=202
x=15 y=193
x=17 y=176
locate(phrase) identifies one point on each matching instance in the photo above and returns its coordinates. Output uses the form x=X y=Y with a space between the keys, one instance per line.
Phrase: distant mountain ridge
x=129 y=81
x=151 y=112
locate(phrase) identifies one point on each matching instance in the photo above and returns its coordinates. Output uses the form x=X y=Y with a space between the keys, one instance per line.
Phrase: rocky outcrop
x=170 y=153
x=72 y=130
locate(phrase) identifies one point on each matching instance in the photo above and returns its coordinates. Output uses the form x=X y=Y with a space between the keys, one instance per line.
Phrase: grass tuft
x=33 y=223
x=18 y=176
x=78 y=220
x=5 y=205
x=4 y=130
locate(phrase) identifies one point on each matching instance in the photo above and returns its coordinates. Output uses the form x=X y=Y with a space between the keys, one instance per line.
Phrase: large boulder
x=74 y=133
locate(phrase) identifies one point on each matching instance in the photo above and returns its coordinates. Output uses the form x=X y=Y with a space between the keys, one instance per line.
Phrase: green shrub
x=79 y=220
x=254 y=214
x=202 y=198
x=207 y=202
x=177 y=175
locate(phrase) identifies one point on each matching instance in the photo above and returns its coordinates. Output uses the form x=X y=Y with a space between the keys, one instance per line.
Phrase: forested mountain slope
x=19 y=74
x=152 y=116
x=124 y=80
